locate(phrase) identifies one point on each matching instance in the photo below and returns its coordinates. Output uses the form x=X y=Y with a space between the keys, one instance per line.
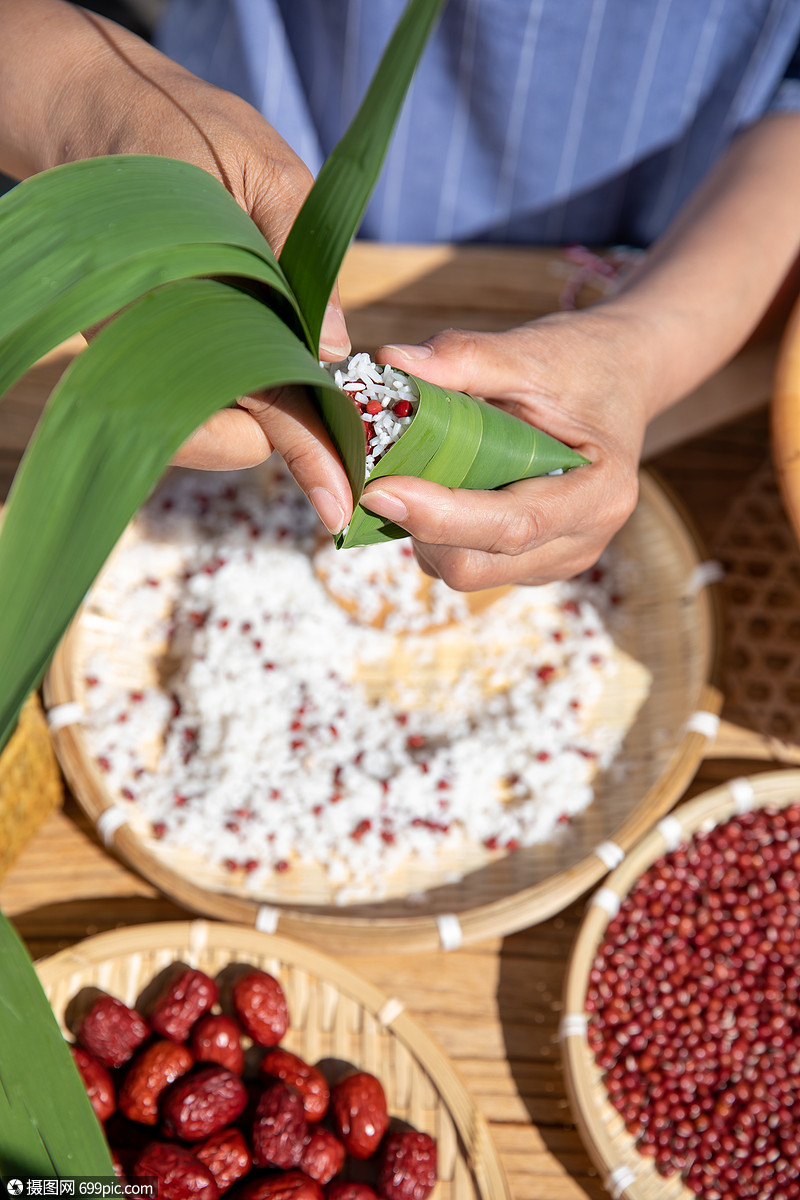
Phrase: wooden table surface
x=493 y=1007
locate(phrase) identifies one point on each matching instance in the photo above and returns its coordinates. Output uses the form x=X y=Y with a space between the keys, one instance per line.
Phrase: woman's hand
x=583 y=378
x=77 y=86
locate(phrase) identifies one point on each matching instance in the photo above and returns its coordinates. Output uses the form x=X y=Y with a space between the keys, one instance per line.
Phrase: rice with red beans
x=264 y=749
x=386 y=400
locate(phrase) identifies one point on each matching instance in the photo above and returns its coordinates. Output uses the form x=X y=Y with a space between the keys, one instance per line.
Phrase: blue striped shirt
x=535 y=121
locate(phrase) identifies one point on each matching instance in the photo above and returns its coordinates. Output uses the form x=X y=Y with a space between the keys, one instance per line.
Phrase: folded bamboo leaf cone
x=415 y=428
x=30 y=782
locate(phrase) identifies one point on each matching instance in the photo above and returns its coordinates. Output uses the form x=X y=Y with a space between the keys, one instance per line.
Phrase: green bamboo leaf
x=329 y=219
x=118 y=415
x=459 y=442
x=58 y=1133
x=84 y=239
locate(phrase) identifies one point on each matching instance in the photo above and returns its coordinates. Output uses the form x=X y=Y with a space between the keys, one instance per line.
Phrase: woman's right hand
x=102 y=90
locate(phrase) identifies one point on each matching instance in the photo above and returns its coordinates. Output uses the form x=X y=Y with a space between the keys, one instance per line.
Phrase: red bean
x=693 y=1007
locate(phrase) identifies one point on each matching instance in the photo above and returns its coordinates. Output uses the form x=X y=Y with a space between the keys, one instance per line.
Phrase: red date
x=97 y=1081
x=215 y=1038
x=111 y=1031
x=350 y=1191
x=323 y=1155
x=227 y=1157
x=305 y=1079
x=358 y=1105
x=291 y=1185
x=279 y=1128
x=180 y=1174
x=187 y=996
x=151 y=1072
x=260 y=1005
x=407 y=1166
x=201 y=1103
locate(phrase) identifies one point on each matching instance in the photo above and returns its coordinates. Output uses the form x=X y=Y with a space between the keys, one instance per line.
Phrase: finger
x=292 y=425
x=486 y=364
x=228 y=441
x=510 y=521
x=474 y=570
x=334 y=340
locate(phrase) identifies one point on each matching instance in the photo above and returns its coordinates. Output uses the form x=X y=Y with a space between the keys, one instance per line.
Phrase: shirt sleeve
x=787 y=95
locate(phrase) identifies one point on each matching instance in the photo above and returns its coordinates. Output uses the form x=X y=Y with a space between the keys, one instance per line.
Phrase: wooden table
x=493 y=1007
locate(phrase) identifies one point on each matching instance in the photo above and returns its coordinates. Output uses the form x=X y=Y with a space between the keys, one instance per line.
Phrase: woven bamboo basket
x=785 y=413
x=30 y=782
x=626 y=1172
x=670 y=628
x=334 y=1014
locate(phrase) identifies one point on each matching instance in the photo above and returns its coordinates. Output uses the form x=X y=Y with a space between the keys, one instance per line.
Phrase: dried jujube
x=258 y=1133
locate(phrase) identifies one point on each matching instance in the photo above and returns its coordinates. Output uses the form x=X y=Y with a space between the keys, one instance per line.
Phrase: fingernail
x=385 y=504
x=333 y=337
x=422 y=351
x=328 y=508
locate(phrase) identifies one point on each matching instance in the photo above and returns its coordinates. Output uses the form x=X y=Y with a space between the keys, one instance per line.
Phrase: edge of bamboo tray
x=421 y=932
x=785 y=419
x=197 y=942
x=626 y=1172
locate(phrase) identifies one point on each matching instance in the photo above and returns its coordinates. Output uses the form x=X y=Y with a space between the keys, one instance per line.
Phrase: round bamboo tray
x=626 y=1172
x=334 y=1014
x=785 y=415
x=671 y=628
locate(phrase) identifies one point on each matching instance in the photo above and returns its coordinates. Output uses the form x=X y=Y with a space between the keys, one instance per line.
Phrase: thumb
x=483 y=364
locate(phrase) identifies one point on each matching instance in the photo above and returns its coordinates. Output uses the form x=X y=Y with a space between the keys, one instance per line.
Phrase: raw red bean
x=693 y=1004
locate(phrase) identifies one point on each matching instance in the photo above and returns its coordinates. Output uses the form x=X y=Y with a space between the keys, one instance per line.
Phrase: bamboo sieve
x=670 y=626
x=334 y=1014
x=625 y=1172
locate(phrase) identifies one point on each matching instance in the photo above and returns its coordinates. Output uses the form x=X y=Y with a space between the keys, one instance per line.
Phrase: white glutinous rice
x=386 y=400
x=269 y=745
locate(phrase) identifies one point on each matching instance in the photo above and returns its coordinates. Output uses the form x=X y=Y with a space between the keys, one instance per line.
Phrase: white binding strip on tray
x=618 y=1180
x=671 y=830
x=390 y=1011
x=198 y=937
x=704 y=574
x=743 y=793
x=572 y=1025
x=450 y=934
x=109 y=822
x=706 y=723
x=605 y=898
x=610 y=853
x=267 y=918
x=61 y=715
